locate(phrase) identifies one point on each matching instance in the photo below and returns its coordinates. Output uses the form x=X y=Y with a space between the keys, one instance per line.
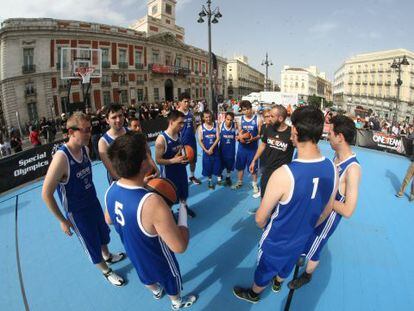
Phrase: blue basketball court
x=365 y=266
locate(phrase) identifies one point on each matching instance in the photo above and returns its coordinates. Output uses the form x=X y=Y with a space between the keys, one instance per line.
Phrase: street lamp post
x=267 y=62
x=396 y=64
x=215 y=14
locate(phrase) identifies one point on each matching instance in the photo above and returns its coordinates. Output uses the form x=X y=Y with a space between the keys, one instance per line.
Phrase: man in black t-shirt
x=96 y=133
x=276 y=147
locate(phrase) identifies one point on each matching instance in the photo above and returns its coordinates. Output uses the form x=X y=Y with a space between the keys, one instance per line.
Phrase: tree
x=315 y=101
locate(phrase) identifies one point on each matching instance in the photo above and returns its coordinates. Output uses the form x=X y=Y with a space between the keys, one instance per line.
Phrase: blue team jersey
x=227 y=141
x=342 y=168
x=250 y=126
x=78 y=192
x=109 y=140
x=187 y=132
x=209 y=137
x=293 y=220
x=172 y=147
x=150 y=256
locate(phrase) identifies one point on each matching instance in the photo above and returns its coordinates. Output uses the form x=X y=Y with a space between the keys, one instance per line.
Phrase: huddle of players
x=300 y=209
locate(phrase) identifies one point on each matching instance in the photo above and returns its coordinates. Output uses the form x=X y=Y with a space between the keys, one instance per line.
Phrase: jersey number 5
x=315 y=187
x=118 y=211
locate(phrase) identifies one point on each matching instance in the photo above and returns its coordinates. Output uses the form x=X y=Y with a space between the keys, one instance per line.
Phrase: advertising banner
x=385 y=142
x=154 y=127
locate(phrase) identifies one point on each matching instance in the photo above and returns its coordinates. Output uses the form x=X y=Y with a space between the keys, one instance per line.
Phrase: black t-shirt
x=96 y=125
x=279 y=149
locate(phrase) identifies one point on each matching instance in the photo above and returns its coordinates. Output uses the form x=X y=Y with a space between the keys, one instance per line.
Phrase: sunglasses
x=85 y=130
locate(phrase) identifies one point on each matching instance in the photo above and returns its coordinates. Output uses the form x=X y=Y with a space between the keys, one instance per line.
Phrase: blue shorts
x=178 y=176
x=227 y=163
x=320 y=236
x=243 y=159
x=93 y=232
x=269 y=267
x=172 y=284
x=211 y=165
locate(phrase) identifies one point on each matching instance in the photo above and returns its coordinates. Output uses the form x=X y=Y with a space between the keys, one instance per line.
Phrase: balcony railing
x=140 y=82
x=139 y=66
x=106 y=64
x=28 y=69
x=169 y=70
x=63 y=87
x=29 y=93
x=123 y=82
x=123 y=65
x=106 y=83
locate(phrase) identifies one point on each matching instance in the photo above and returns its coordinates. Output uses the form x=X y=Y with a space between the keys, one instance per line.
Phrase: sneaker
x=195 y=181
x=244 y=294
x=237 y=186
x=185 y=302
x=256 y=190
x=190 y=213
x=256 y=195
x=219 y=182
x=252 y=211
x=211 y=185
x=303 y=279
x=399 y=195
x=276 y=285
x=114 y=278
x=228 y=181
x=114 y=258
x=158 y=294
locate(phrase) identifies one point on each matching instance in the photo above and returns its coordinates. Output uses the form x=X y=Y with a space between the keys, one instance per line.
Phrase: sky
x=297 y=33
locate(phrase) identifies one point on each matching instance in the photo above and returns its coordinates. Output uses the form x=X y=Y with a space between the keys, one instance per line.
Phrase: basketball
x=165 y=188
x=189 y=152
x=243 y=136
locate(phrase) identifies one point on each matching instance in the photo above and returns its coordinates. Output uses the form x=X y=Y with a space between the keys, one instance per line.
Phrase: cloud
x=322 y=29
x=103 y=11
x=370 y=35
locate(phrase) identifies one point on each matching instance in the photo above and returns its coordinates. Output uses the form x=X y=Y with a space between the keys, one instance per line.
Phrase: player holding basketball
x=115 y=119
x=187 y=133
x=208 y=137
x=341 y=135
x=247 y=148
x=227 y=147
x=168 y=154
x=70 y=172
x=145 y=223
x=298 y=196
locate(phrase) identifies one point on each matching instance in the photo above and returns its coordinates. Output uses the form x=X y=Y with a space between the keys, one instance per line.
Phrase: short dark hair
x=208 y=112
x=282 y=111
x=344 y=125
x=112 y=108
x=130 y=119
x=183 y=96
x=127 y=153
x=175 y=114
x=245 y=104
x=308 y=121
x=229 y=113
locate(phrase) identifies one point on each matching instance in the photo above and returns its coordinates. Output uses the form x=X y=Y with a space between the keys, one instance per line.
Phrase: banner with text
x=385 y=142
x=154 y=127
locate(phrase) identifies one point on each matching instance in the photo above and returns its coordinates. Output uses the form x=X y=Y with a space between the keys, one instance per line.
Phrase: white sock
x=183 y=203
x=176 y=302
x=228 y=174
x=254 y=183
x=218 y=178
x=157 y=291
x=191 y=174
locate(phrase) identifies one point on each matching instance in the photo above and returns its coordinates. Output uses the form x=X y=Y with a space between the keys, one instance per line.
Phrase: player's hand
x=210 y=151
x=251 y=167
x=66 y=227
x=179 y=159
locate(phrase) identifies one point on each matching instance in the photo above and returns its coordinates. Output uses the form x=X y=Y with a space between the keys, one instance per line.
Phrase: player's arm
x=103 y=153
x=217 y=138
x=160 y=150
x=200 y=138
x=56 y=172
x=329 y=207
x=353 y=178
x=259 y=130
x=277 y=189
x=258 y=154
x=175 y=236
x=238 y=129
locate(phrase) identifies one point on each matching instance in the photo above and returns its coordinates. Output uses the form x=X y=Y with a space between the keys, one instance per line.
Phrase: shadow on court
x=394 y=179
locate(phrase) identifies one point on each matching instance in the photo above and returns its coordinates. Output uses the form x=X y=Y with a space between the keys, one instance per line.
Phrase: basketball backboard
x=80 y=63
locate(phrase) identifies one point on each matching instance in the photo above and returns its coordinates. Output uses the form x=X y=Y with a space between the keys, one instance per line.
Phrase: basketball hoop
x=85 y=73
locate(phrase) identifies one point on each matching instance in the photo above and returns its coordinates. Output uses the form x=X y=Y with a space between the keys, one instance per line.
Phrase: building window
x=32 y=110
x=105 y=55
x=155 y=57
x=203 y=68
x=122 y=56
x=64 y=104
x=122 y=79
x=168 y=61
x=29 y=88
x=156 y=94
x=124 y=97
x=168 y=9
x=188 y=63
x=178 y=61
x=196 y=93
x=138 y=55
x=140 y=95
x=28 y=57
x=106 y=98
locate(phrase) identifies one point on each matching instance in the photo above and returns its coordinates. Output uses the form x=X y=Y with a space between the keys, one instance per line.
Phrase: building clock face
x=154 y=10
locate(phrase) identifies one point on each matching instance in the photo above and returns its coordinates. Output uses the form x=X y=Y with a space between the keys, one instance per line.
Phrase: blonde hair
x=76 y=118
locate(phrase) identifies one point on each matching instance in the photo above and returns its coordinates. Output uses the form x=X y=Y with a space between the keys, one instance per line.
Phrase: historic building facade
x=367 y=80
x=137 y=67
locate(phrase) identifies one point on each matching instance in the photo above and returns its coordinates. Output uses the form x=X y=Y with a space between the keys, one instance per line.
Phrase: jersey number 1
x=315 y=186
x=118 y=212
